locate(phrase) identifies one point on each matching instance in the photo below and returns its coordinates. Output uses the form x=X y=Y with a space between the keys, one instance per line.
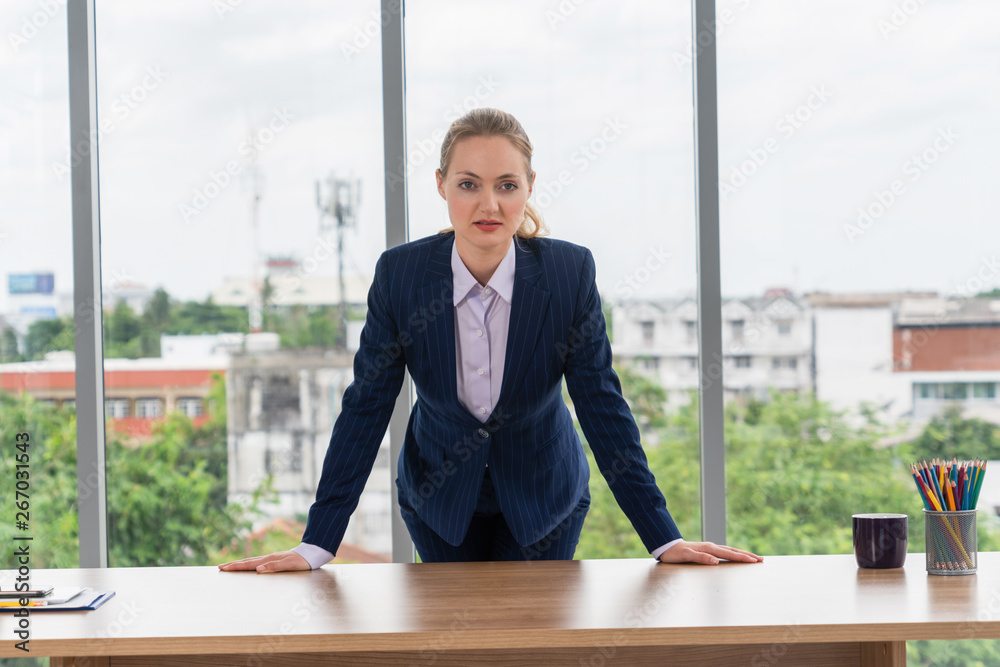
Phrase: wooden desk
x=798 y=610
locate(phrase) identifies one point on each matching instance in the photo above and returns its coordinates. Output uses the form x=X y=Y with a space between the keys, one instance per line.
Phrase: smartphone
x=35 y=593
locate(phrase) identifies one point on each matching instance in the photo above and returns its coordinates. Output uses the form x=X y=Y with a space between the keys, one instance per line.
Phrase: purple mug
x=879 y=540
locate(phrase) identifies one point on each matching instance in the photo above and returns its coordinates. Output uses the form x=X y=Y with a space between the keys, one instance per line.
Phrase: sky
x=857 y=138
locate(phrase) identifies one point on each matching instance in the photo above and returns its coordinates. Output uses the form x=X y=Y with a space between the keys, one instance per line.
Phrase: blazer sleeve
x=607 y=420
x=366 y=408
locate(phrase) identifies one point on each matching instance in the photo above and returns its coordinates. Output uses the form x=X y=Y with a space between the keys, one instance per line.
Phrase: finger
x=742 y=557
x=689 y=554
x=722 y=552
x=702 y=557
x=289 y=563
x=244 y=564
x=731 y=553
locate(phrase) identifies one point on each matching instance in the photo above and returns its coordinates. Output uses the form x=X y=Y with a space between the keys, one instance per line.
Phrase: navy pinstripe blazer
x=537 y=463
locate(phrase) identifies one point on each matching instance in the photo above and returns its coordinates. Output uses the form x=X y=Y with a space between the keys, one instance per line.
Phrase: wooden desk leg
x=84 y=661
x=883 y=654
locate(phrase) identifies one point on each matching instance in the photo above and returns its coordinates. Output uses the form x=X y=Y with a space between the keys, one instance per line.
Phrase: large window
x=36 y=285
x=241 y=216
x=242 y=183
x=842 y=171
x=604 y=93
x=858 y=222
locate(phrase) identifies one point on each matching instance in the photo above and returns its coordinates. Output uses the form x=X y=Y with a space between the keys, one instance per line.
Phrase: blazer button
x=484 y=433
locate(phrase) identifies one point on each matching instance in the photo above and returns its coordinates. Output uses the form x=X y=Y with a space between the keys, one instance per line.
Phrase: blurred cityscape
x=902 y=357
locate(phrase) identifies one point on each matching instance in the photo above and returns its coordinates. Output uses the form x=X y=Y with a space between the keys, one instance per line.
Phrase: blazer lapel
x=529 y=305
x=436 y=307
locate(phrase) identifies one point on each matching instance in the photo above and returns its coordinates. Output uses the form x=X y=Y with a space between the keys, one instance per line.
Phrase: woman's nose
x=488 y=202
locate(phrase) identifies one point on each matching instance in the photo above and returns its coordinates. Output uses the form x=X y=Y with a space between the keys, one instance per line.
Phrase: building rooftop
x=940 y=311
x=863 y=300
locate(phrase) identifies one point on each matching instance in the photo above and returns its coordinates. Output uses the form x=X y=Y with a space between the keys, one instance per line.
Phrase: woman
x=488 y=317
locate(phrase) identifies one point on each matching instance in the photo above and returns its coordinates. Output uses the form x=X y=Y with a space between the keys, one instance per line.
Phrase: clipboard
x=85 y=601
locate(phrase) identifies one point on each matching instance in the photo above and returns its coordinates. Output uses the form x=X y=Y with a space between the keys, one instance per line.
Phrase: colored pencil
x=979 y=485
x=949 y=486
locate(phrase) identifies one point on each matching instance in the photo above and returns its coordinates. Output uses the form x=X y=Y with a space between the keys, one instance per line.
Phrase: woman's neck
x=482 y=263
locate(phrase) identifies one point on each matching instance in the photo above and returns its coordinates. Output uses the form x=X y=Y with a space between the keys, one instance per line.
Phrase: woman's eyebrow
x=499 y=178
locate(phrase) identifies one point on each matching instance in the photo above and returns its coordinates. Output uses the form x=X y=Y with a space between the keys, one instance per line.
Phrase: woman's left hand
x=706 y=553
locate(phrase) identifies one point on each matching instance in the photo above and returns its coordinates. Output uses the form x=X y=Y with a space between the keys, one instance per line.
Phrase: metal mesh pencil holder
x=951 y=544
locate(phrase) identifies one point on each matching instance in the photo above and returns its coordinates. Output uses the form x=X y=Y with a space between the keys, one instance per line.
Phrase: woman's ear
x=440 y=183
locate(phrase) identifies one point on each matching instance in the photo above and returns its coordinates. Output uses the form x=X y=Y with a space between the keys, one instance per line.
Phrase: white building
x=948 y=350
x=854 y=362
x=767 y=343
x=282 y=407
x=906 y=356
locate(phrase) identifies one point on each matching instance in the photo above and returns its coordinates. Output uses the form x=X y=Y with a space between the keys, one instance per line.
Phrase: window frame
x=88 y=307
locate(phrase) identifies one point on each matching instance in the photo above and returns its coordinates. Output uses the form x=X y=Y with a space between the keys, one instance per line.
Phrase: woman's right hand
x=279 y=561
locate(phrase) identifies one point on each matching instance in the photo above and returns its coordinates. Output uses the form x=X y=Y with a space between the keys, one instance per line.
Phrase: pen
x=15 y=603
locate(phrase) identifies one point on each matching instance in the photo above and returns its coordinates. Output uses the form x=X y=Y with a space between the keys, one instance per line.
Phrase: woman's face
x=486 y=188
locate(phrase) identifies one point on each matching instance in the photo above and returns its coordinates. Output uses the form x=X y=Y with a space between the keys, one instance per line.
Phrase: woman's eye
x=464 y=183
x=512 y=187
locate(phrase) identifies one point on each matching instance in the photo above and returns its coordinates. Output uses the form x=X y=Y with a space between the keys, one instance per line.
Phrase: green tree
x=796 y=471
x=154 y=320
x=48 y=335
x=795 y=477
x=157 y=312
x=167 y=500
x=645 y=397
x=193 y=317
x=122 y=325
x=51 y=479
x=8 y=346
x=301 y=327
x=950 y=435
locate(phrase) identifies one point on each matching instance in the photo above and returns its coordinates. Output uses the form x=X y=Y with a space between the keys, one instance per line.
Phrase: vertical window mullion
x=706 y=156
x=396 y=231
x=87 y=307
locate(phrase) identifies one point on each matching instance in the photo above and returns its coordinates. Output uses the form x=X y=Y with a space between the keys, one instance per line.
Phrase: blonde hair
x=487 y=122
